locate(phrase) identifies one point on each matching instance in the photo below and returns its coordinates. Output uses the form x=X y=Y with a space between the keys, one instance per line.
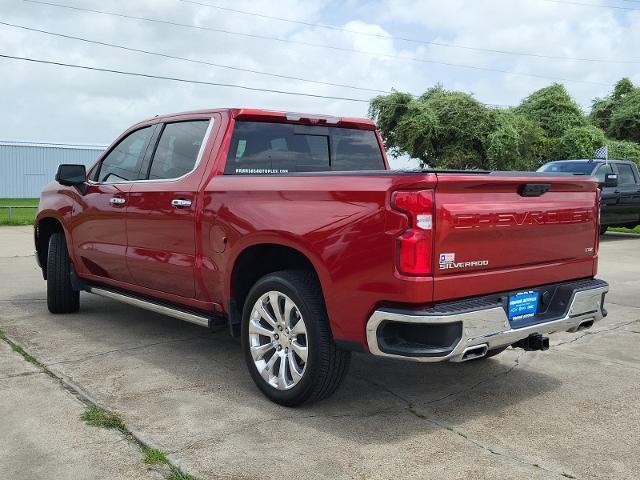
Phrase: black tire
x=326 y=364
x=603 y=230
x=61 y=298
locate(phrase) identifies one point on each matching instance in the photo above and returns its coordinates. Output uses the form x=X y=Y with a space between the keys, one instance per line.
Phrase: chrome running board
x=187 y=316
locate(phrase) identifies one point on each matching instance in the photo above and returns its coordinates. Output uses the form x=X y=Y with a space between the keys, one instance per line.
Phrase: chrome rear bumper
x=486 y=324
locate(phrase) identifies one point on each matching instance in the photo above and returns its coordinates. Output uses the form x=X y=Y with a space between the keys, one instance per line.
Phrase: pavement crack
x=516 y=363
x=412 y=409
x=23 y=374
x=622 y=304
x=588 y=332
x=118 y=350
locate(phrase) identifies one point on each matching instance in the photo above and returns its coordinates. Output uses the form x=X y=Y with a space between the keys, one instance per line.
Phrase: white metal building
x=27 y=167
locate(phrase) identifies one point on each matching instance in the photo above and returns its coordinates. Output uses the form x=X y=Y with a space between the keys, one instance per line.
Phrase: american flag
x=602 y=153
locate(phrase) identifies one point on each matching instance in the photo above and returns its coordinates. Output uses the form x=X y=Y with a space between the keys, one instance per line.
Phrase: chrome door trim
x=180 y=203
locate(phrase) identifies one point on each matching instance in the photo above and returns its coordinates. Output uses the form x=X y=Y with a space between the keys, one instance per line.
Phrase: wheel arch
x=44 y=228
x=256 y=260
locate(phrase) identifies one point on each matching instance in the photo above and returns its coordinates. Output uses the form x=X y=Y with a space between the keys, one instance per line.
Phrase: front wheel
x=61 y=297
x=287 y=342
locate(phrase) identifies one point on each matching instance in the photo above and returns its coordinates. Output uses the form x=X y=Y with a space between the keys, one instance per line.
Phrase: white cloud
x=57 y=104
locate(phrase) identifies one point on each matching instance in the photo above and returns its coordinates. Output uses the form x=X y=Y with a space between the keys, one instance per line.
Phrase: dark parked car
x=620 y=184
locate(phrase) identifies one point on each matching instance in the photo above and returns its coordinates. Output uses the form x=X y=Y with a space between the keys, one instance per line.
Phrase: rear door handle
x=180 y=203
x=115 y=201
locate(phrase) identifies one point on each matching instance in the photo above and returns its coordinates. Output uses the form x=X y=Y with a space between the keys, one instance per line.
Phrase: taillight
x=415 y=245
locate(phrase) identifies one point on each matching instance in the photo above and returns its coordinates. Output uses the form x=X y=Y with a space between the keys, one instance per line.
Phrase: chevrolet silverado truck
x=291 y=231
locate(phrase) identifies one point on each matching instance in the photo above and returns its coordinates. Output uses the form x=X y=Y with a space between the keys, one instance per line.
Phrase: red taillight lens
x=415 y=245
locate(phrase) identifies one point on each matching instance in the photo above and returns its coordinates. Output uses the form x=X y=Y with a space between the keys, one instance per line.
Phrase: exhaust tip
x=477 y=351
x=585 y=325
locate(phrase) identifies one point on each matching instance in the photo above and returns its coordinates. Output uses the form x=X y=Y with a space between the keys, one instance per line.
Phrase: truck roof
x=279 y=116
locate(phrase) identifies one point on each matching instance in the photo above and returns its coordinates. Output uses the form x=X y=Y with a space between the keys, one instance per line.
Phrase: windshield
x=584 y=168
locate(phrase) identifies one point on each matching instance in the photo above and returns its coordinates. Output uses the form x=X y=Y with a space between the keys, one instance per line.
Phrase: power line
x=406 y=39
x=179 y=79
x=200 y=82
x=186 y=59
x=71 y=37
x=568 y=2
x=309 y=44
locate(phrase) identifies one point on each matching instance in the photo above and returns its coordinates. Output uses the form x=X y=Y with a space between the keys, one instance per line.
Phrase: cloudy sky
x=51 y=103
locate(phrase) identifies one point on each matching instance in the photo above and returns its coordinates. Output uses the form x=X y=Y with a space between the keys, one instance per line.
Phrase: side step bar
x=192 y=317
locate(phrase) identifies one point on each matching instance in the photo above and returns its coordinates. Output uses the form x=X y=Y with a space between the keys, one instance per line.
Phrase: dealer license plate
x=523 y=305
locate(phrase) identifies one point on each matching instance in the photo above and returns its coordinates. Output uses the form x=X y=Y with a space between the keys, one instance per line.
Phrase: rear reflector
x=415 y=245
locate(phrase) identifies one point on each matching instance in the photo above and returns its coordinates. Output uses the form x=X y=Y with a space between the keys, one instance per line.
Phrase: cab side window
x=627 y=175
x=602 y=171
x=123 y=163
x=178 y=149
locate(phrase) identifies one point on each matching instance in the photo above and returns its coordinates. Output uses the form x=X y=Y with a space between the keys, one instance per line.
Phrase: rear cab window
x=279 y=148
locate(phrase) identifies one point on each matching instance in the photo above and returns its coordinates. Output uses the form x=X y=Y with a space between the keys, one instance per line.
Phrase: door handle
x=115 y=201
x=180 y=203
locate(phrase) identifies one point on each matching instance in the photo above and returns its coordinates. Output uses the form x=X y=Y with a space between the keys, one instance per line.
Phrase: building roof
x=75 y=146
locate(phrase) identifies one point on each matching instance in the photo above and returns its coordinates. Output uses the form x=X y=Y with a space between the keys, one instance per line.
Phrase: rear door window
x=178 y=149
x=264 y=148
x=627 y=175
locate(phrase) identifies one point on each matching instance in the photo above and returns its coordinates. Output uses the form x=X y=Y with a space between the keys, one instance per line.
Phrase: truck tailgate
x=495 y=233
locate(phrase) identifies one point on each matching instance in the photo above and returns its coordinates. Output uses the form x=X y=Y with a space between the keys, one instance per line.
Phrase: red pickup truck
x=289 y=230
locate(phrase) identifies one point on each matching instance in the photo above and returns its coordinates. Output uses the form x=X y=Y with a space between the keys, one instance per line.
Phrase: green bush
x=445 y=129
x=580 y=142
x=553 y=109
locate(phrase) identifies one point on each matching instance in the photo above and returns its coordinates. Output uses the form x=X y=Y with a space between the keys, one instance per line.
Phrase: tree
x=448 y=129
x=388 y=110
x=441 y=128
x=624 y=150
x=619 y=113
x=516 y=144
x=579 y=142
x=553 y=109
x=625 y=119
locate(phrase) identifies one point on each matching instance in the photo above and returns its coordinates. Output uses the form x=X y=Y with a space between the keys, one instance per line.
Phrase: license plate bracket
x=523 y=305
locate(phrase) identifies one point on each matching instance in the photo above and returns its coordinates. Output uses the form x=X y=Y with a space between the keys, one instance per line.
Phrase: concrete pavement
x=569 y=412
x=42 y=436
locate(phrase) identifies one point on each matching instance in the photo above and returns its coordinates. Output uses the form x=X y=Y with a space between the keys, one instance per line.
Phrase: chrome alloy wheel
x=278 y=340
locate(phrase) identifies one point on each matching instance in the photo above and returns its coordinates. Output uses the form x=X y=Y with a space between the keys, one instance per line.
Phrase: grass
x=20 y=350
x=153 y=456
x=99 y=417
x=19 y=216
x=626 y=230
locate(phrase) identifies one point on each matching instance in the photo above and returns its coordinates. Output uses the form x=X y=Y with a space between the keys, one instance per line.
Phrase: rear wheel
x=603 y=229
x=287 y=341
x=61 y=298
